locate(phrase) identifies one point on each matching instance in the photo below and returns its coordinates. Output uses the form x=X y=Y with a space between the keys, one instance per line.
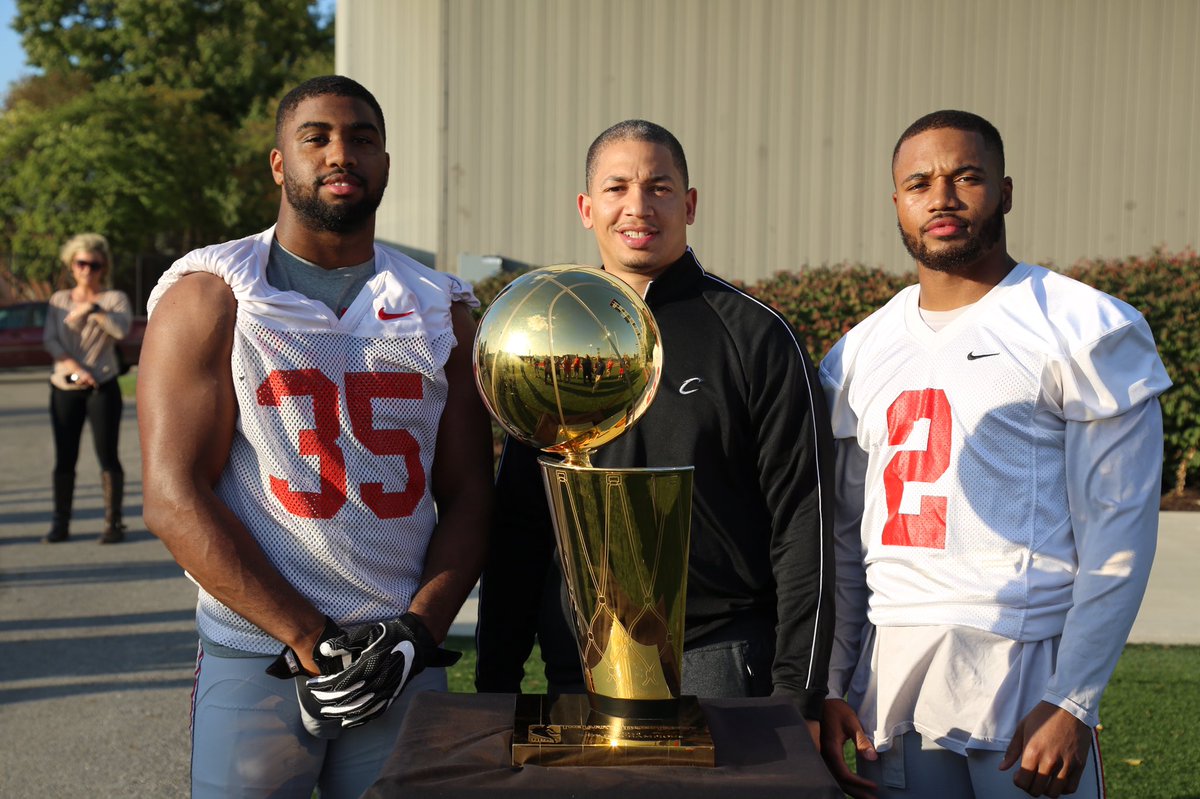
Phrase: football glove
x=384 y=656
x=310 y=712
x=287 y=667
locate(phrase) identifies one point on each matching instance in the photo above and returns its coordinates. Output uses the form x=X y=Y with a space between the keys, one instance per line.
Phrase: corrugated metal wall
x=788 y=111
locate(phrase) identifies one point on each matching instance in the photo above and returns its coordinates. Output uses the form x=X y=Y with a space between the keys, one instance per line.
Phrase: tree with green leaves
x=116 y=159
x=150 y=122
x=236 y=53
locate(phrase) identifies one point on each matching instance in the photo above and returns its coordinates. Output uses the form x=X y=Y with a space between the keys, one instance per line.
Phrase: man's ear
x=584 y=203
x=277 y=166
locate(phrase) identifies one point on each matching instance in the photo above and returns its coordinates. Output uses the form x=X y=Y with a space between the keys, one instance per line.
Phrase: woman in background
x=83 y=325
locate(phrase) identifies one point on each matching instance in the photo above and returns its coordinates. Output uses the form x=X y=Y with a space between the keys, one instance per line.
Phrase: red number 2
x=321 y=440
x=928 y=528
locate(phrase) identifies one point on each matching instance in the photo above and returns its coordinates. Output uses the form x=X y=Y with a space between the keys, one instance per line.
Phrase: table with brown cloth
x=458 y=745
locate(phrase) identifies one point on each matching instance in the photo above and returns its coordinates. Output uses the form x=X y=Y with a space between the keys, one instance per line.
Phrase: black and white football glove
x=287 y=667
x=383 y=657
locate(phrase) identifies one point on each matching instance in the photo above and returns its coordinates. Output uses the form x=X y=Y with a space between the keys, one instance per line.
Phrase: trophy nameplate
x=565 y=730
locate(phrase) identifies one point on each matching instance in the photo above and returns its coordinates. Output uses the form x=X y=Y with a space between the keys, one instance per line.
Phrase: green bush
x=487 y=289
x=823 y=303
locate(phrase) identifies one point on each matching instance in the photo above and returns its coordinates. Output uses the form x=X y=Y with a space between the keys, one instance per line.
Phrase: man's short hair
x=336 y=85
x=956 y=120
x=636 y=130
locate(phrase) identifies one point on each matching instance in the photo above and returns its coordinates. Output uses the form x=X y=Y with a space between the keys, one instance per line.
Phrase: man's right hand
x=291 y=664
x=838 y=725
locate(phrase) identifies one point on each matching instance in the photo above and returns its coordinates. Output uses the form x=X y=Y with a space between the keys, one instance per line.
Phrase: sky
x=12 y=57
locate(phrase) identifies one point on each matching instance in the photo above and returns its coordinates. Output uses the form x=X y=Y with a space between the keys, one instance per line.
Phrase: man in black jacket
x=739 y=401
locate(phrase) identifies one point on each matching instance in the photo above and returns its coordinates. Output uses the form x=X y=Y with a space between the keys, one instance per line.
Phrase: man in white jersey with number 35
x=999 y=463
x=317 y=459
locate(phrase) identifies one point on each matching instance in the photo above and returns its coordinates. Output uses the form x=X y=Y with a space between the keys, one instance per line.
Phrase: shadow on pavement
x=80 y=574
x=19 y=695
x=82 y=515
x=186 y=616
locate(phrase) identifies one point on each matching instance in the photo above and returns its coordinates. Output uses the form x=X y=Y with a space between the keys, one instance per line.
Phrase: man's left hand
x=1052 y=748
x=385 y=657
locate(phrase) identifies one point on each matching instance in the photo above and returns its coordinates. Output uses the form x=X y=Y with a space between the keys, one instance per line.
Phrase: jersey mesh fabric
x=354 y=552
x=337 y=423
x=986 y=392
x=966 y=637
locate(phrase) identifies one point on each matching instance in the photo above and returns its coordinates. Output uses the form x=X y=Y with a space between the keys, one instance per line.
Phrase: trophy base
x=565 y=731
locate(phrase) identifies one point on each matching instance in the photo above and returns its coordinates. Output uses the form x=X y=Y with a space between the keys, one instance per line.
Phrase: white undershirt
x=936 y=320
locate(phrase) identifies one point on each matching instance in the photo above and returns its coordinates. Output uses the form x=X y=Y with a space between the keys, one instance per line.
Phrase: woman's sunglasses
x=82 y=264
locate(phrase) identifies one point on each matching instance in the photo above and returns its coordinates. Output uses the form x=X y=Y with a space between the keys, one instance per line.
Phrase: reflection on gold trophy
x=567 y=358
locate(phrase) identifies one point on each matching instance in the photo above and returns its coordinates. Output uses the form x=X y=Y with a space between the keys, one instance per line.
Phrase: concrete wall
x=788 y=111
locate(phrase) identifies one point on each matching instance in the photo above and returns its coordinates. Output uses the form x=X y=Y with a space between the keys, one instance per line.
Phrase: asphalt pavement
x=97 y=645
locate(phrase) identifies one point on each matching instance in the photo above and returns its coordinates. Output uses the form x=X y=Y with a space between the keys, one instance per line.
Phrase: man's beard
x=318 y=215
x=954 y=259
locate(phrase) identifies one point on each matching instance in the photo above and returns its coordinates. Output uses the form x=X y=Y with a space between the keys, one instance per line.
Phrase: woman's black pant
x=101 y=407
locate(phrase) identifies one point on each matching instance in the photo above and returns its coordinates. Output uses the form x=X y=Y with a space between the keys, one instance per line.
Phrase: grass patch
x=1147 y=714
x=128 y=383
x=1146 y=717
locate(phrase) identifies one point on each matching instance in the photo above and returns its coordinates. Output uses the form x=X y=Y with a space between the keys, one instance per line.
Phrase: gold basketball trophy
x=567 y=358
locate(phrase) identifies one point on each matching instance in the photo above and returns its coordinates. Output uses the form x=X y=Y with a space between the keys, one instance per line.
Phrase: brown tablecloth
x=457 y=745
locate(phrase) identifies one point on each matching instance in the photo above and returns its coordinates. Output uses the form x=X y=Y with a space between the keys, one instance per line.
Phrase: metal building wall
x=788 y=111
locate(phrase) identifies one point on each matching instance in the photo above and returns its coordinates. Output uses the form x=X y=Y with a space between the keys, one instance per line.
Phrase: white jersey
x=997 y=489
x=966 y=517
x=337 y=423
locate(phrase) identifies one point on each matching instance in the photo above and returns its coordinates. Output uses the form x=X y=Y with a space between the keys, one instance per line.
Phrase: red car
x=21 y=336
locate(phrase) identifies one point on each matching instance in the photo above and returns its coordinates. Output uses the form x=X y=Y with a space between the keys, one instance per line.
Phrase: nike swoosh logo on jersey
x=683 y=387
x=387 y=317
x=973 y=357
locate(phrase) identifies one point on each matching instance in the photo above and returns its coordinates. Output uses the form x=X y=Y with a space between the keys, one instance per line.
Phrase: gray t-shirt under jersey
x=337 y=288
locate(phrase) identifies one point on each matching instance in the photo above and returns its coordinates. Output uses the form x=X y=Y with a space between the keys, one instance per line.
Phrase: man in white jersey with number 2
x=999 y=463
x=317 y=459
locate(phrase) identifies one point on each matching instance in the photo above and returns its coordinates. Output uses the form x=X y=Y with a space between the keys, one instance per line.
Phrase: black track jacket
x=739 y=400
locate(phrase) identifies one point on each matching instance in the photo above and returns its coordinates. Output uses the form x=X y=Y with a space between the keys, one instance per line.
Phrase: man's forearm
x=1114 y=496
x=851 y=583
x=462 y=489
x=453 y=563
x=214 y=547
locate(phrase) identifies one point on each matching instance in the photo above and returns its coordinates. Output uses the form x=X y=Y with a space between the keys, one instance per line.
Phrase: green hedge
x=823 y=303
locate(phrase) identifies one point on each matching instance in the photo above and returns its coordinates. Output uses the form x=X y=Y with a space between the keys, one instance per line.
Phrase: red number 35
x=321 y=440
x=928 y=528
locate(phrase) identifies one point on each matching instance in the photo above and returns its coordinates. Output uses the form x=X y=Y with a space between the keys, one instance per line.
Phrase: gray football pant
x=916 y=768
x=248 y=738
